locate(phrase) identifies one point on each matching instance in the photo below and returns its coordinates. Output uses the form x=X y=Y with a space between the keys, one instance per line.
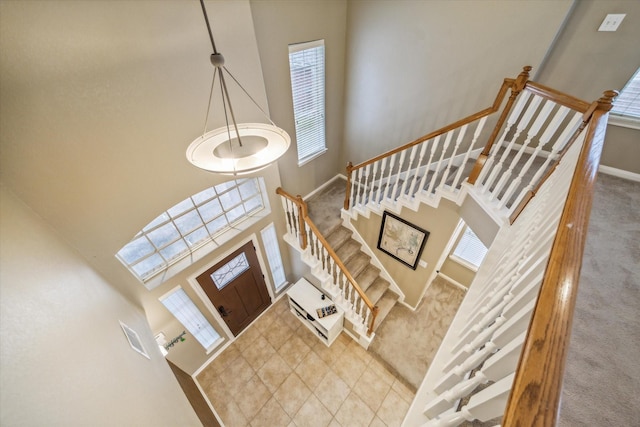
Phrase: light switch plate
x=612 y=22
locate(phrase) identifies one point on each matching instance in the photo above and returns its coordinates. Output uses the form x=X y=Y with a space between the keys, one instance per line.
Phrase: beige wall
x=622 y=149
x=585 y=62
x=279 y=23
x=414 y=66
x=440 y=223
x=457 y=272
x=64 y=358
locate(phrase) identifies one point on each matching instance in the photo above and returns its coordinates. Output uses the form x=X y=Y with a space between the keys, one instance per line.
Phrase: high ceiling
x=99 y=101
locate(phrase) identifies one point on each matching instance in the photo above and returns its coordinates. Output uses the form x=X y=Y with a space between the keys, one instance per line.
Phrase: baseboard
x=323 y=186
x=620 y=173
x=453 y=282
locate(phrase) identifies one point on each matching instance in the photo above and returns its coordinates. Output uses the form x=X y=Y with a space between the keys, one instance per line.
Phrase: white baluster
x=476 y=135
x=365 y=184
x=488 y=167
x=412 y=156
x=360 y=197
x=531 y=132
x=423 y=149
x=436 y=172
x=394 y=193
x=388 y=186
x=434 y=145
x=383 y=165
x=557 y=146
x=461 y=133
x=353 y=196
x=372 y=186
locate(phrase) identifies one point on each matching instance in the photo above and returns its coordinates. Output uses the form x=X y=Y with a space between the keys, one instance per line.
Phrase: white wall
x=64 y=358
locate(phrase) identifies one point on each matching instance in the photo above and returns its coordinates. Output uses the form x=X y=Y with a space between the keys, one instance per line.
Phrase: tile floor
x=277 y=373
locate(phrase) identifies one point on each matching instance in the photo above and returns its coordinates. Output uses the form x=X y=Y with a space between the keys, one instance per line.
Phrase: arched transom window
x=195 y=224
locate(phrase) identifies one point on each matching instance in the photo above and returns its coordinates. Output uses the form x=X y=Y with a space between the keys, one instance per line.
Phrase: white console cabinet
x=304 y=300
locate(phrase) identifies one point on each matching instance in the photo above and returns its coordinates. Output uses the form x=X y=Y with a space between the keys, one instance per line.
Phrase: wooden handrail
x=304 y=217
x=535 y=395
x=506 y=84
x=557 y=96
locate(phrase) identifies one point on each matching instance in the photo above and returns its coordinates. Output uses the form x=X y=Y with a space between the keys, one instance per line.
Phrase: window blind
x=270 y=241
x=306 y=64
x=470 y=248
x=181 y=306
x=628 y=103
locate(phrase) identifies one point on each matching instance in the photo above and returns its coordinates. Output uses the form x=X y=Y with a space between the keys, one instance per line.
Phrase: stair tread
x=348 y=250
x=338 y=237
x=367 y=277
x=377 y=290
x=357 y=263
x=385 y=304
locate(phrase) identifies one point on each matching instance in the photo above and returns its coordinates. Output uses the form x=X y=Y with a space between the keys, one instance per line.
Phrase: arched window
x=198 y=224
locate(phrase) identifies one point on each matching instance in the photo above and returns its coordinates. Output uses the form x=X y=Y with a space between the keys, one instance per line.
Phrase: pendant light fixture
x=236 y=148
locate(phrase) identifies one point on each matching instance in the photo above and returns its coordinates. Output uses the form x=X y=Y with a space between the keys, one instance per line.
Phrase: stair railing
x=315 y=246
x=510 y=351
x=422 y=167
x=545 y=349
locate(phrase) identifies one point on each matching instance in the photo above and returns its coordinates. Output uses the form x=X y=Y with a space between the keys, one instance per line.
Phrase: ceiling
x=99 y=101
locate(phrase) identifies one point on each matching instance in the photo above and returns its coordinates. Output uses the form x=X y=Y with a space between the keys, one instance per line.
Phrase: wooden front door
x=236 y=287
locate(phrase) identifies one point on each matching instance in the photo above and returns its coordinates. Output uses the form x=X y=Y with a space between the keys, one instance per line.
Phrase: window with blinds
x=470 y=250
x=183 y=309
x=626 y=107
x=270 y=240
x=306 y=64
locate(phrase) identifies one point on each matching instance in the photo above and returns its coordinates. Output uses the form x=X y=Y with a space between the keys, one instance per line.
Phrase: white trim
x=205 y=299
x=166 y=295
x=624 y=121
x=466 y=264
x=323 y=186
x=312 y=157
x=453 y=282
x=276 y=289
x=202 y=392
x=620 y=173
x=138 y=346
x=297 y=47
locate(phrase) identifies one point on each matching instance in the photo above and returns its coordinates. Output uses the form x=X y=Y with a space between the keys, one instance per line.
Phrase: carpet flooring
x=408 y=340
x=602 y=377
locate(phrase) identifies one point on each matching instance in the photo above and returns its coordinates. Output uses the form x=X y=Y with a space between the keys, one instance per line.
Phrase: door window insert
x=225 y=274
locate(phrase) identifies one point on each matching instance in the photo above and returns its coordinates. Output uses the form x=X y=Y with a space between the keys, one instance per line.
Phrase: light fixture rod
x=225 y=93
x=206 y=19
x=206 y=118
x=250 y=97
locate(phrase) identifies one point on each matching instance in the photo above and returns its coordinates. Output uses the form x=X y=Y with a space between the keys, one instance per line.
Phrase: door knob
x=223 y=311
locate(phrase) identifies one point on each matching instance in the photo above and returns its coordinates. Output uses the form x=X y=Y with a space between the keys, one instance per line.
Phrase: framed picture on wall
x=401 y=240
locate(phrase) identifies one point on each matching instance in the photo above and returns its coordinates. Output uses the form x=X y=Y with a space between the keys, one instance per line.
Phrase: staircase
x=367 y=275
x=534 y=178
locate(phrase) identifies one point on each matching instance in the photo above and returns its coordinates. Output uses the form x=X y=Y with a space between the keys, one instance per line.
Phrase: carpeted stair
x=359 y=265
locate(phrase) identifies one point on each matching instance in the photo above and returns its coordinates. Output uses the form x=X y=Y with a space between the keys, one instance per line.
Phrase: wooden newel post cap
x=606 y=101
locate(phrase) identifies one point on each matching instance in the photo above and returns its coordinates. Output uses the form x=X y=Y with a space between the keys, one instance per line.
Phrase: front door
x=236 y=287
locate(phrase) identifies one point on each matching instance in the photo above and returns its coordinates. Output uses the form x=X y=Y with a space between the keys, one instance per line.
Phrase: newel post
x=347 y=196
x=517 y=87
